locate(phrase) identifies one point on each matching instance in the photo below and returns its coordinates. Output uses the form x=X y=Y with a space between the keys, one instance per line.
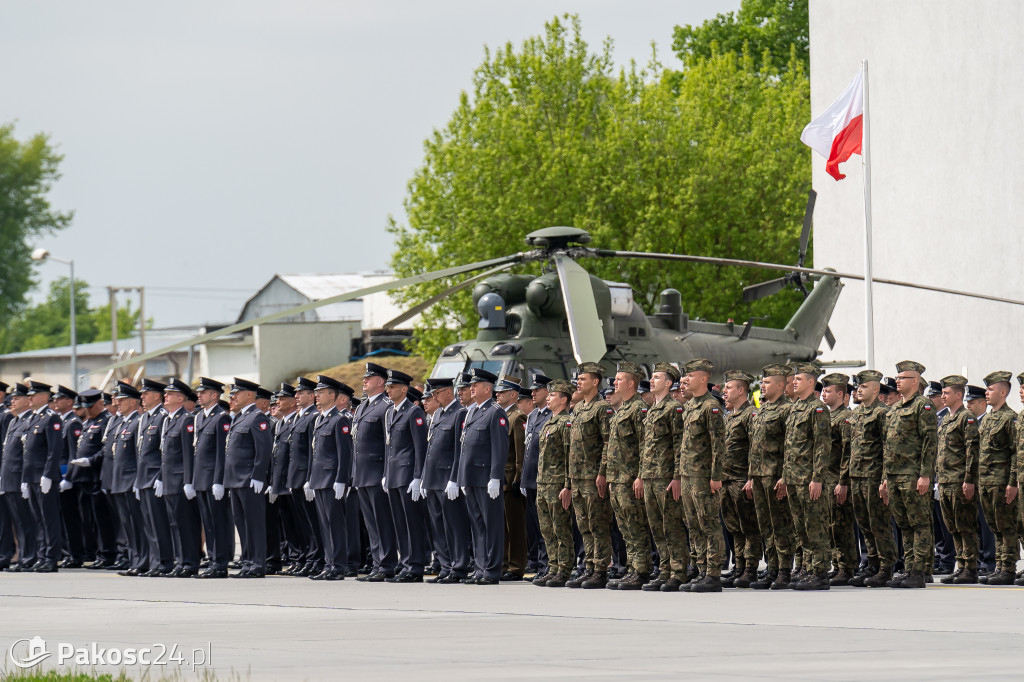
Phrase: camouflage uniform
x=738 y=510
x=700 y=462
x=845 y=553
x=663 y=434
x=588 y=434
x=767 y=441
x=861 y=470
x=995 y=471
x=552 y=477
x=908 y=453
x=958 y=464
x=621 y=466
x=806 y=457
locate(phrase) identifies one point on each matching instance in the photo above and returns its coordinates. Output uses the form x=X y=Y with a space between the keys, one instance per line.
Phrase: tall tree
x=27 y=172
x=709 y=164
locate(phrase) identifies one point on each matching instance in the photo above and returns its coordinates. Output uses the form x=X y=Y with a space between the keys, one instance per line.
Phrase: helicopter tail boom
x=810 y=322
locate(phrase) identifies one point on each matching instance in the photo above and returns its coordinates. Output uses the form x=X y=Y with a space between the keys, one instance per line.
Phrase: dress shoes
x=450 y=579
x=131 y=572
x=437 y=578
x=509 y=576
x=185 y=573
x=378 y=577
x=485 y=581
x=250 y=573
x=50 y=567
x=71 y=563
x=214 y=573
x=406 y=577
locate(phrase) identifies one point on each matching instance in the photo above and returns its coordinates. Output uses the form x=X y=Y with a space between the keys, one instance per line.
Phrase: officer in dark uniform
x=40 y=474
x=97 y=515
x=481 y=468
x=124 y=456
x=17 y=504
x=207 y=484
x=405 y=426
x=62 y=401
x=246 y=469
x=330 y=476
x=536 y=555
x=355 y=552
x=104 y=461
x=279 y=511
x=178 y=448
x=302 y=501
x=7 y=546
x=368 y=474
x=154 y=511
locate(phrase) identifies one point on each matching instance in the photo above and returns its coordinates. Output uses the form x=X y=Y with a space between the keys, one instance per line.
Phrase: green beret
x=561 y=386
x=591 y=368
x=698 y=365
x=868 y=375
x=775 y=370
x=996 y=377
x=669 y=369
x=954 y=380
x=835 y=379
x=739 y=375
x=910 y=366
x=631 y=368
x=806 y=368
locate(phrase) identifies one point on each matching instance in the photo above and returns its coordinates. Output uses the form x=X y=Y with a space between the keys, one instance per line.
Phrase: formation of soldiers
x=480 y=479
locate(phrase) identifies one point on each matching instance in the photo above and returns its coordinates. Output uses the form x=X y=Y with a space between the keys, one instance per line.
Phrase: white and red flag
x=838 y=132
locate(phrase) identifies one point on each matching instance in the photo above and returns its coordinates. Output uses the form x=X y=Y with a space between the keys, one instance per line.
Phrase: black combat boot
x=879 y=579
x=655 y=585
x=711 y=583
x=746 y=579
x=948 y=580
x=633 y=581
x=841 y=578
x=597 y=581
x=765 y=582
x=914 y=579
x=783 y=580
x=1001 y=578
x=968 y=576
x=812 y=581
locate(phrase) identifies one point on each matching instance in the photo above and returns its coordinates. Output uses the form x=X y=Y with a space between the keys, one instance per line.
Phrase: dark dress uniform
x=406 y=449
x=98 y=521
x=303 y=510
x=6 y=524
x=154 y=511
x=247 y=460
x=367 y=472
x=72 y=524
x=450 y=519
x=279 y=511
x=122 y=487
x=104 y=462
x=331 y=463
x=43 y=447
x=16 y=504
x=211 y=430
x=178 y=448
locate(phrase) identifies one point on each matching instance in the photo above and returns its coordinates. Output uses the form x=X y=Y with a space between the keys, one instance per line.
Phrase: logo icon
x=36 y=654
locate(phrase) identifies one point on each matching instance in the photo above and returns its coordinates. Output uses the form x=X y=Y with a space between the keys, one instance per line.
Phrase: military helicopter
x=549 y=323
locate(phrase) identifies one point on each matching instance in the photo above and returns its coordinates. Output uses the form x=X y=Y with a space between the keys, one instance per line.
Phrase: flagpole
x=869 y=314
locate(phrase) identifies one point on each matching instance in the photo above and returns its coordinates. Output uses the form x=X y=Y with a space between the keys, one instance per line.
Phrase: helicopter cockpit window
x=447 y=369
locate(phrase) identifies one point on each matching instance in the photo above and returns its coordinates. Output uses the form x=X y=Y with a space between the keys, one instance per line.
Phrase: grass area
x=352 y=372
x=36 y=675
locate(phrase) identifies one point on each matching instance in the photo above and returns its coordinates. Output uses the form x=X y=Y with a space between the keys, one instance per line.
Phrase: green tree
x=48 y=324
x=710 y=164
x=760 y=26
x=27 y=172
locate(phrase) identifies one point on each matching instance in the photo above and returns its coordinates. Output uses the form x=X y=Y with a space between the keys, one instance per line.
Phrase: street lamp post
x=42 y=254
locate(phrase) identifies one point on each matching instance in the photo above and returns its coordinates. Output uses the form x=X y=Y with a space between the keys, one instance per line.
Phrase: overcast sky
x=209 y=145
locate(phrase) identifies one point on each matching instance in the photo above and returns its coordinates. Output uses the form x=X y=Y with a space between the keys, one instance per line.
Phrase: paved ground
x=293 y=629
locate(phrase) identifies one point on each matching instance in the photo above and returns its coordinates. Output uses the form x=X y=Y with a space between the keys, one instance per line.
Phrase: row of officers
x=461 y=471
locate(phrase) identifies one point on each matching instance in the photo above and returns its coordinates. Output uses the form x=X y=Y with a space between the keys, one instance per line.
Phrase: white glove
x=136 y=491
x=65 y=485
x=24 y=490
x=339 y=491
x=493 y=488
x=270 y=491
x=190 y=491
x=81 y=462
x=45 y=484
x=308 y=491
x=158 y=488
x=522 y=489
x=384 y=483
x=348 y=491
x=415 y=489
x=218 y=491
x=463 y=489
x=257 y=486
x=271 y=497
x=452 y=490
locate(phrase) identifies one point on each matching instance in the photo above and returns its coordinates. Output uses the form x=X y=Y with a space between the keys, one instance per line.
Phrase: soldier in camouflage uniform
x=663 y=435
x=997 y=477
x=805 y=463
x=957 y=476
x=764 y=477
x=908 y=459
x=554 y=488
x=588 y=435
x=845 y=553
x=620 y=466
x=737 y=508
x=1016 y=472
x=700 y=474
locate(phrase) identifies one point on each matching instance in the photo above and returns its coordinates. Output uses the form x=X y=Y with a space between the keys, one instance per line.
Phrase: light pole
x=42 y=254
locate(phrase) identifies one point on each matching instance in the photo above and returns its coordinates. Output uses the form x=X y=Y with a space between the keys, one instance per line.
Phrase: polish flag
x=839 y=132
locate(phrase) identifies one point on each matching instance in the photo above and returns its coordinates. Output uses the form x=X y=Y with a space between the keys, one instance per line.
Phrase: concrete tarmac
x=282 y=628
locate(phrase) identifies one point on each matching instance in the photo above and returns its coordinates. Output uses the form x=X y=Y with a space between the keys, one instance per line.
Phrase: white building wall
x=947 y=188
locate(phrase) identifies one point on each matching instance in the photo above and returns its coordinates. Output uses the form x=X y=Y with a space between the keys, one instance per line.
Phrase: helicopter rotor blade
x=764 y=289
x=830 y=338
x=313 y=305
x=805 y=234
x=585 y=329
x=419 y=308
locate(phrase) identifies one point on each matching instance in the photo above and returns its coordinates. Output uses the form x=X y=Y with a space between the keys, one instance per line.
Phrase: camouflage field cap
x=835 y=379
x=561 y=386
x=806 y=368
x=868 y=375
x=1020 y=378
x=776 y=370
x=910 y=366
x=669 y=369
x=631 y=368
x=590 y=368
x=739 y=375
x=698 y=365
x=996 y=377
x=954 y=380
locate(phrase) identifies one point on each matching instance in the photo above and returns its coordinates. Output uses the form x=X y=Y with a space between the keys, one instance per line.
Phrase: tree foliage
x=27 y=172
x=48 y=324
x=708 y=164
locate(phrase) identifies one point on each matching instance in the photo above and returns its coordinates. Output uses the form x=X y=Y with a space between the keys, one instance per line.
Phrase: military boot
x=1019 y=581
x=798 y=576
x=863 y=575
x=765 y=582
x=542 y=580
x=730 y=579
x=1001 y=578
x=597 y=581
x=842 y=577
x=813 y=581
x=614 y=584
x=578 y=580
x=914 y=579
x=896 y=579
x=557 y=580
x=783 y=580
x=692 y=572
x=746 y=579
x=968 y=576
x=633 y=581
x=673 y=584
x=948 y=580
x=879 y=579
x=711 y=583
x=655 y=585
